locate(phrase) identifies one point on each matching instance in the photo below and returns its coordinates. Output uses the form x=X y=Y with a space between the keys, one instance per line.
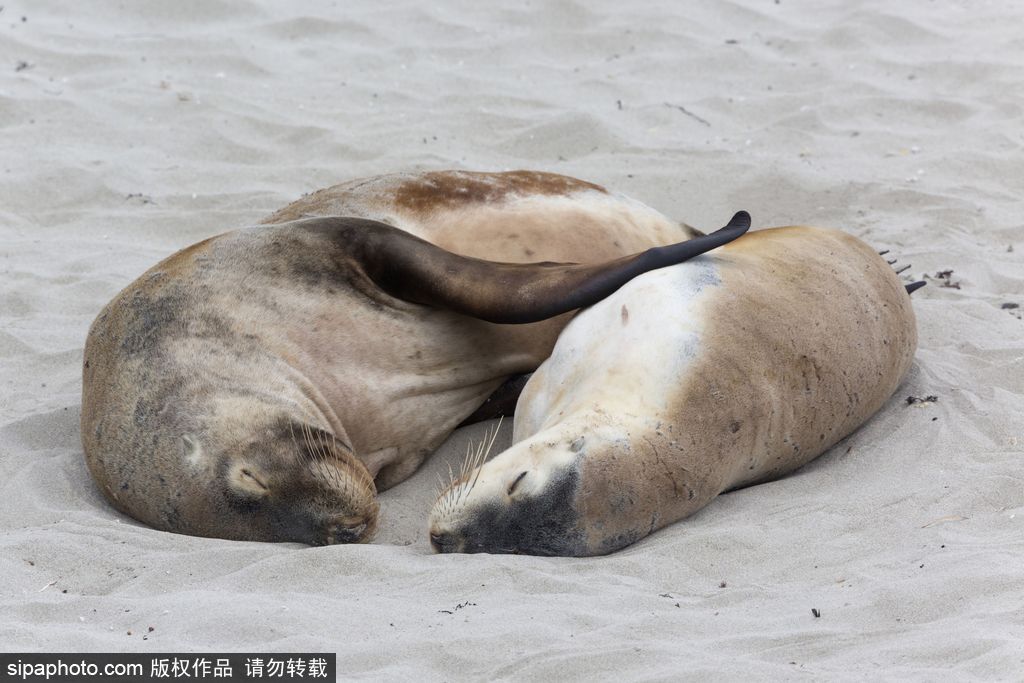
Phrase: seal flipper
x=502 y=403
x=913 y=286
x=415 y=270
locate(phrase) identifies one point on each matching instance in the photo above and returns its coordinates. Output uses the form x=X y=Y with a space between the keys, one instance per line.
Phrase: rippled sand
x=128 y=130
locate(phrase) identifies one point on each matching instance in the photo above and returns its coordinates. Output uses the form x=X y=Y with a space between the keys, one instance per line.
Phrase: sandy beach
x=130 y=130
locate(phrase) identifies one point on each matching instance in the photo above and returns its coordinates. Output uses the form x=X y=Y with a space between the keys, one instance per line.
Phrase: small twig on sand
x=688 y=113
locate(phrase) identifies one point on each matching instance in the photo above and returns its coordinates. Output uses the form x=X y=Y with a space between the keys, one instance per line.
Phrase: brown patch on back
x=450 y=189
x=625 y=315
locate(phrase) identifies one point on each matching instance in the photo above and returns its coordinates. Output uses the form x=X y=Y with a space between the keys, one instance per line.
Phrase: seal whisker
x=314 y=453
x=467 y=467
x=319 y=446
x=451 y=480
x=484 y=452
x=295 y=442
x=466 y=460
x=313 y=443
x=318 y=452
x=494 y=434
x=334 y=455
x=364 y=475
x=306 y=438
x=471 y=460
x=304 y=448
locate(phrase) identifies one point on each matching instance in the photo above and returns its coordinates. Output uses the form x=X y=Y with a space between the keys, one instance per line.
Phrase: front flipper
x=502 y=403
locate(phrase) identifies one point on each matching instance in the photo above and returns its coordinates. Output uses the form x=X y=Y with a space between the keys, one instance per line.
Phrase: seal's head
x=287 y=482
x=572 y=489
x=236 y=467
x=522 y=501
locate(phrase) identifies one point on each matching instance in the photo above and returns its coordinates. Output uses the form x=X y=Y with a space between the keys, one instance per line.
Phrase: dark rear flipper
x=415 y=270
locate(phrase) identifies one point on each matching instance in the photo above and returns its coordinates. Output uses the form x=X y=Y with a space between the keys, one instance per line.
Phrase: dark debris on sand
x=461 y=605
x=946 y=278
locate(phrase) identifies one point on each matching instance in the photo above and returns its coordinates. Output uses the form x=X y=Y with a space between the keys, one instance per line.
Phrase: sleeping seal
x=733 y=368
x=265 y=383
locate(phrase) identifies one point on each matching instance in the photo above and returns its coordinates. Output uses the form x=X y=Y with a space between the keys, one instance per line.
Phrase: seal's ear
x=415 y=270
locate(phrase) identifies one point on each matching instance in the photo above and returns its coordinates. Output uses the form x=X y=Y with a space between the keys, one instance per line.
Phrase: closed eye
x=515 y=483
x=259 y=483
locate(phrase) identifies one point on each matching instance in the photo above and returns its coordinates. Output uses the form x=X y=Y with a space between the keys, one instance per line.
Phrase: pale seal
x=731 y=369
x=264 y=384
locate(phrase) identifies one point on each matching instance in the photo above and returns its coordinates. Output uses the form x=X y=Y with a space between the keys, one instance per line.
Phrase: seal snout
x=442 y=542
x=522 y=510
x=347 y=530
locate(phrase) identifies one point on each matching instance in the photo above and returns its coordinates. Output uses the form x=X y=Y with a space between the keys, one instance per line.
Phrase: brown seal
x=730 y=369
x=265 y=383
